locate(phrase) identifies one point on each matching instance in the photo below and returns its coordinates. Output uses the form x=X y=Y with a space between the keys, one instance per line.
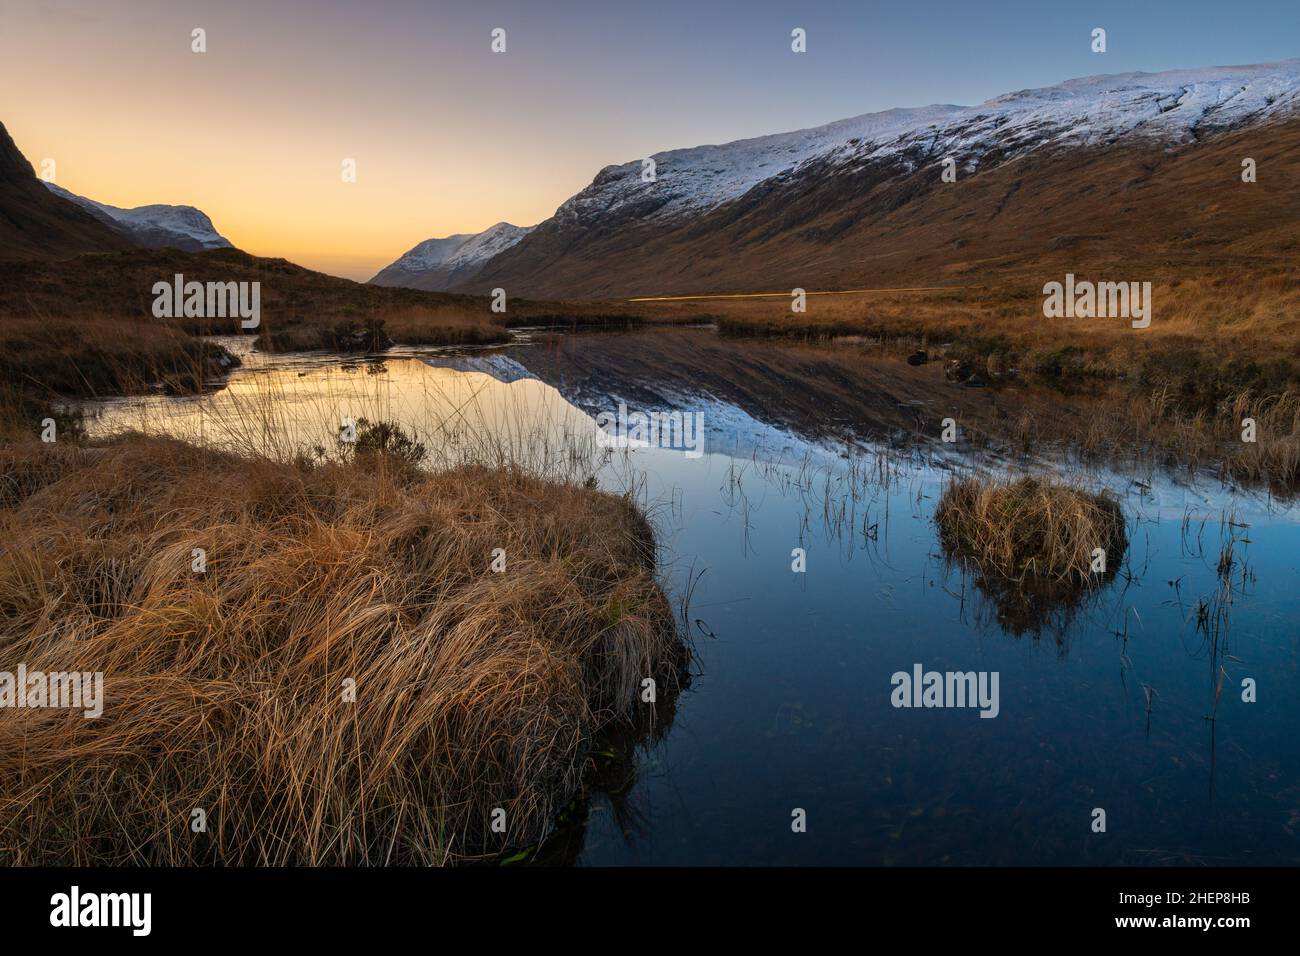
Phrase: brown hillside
x=1132 y=212
x=36 y=224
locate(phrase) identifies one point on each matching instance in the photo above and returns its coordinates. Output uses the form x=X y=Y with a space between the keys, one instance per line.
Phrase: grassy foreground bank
x=228 y=690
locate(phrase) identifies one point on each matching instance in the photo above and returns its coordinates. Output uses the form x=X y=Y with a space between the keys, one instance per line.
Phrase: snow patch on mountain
x=440 y=262
x=479 y=248
x=1178 y=106
x=154 y=226
x=431 y=253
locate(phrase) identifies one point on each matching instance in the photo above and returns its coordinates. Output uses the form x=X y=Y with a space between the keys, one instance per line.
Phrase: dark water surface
x=790 y=704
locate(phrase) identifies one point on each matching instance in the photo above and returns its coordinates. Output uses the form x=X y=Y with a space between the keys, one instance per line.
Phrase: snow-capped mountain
x=743 y=191
x=437 y=264
x=155 y=226
x=1174 y=107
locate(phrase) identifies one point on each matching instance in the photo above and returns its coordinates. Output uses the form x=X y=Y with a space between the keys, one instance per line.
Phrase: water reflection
x=789 y=705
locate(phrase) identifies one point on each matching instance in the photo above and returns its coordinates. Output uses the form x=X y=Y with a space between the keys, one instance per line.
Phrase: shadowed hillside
x=35 y=223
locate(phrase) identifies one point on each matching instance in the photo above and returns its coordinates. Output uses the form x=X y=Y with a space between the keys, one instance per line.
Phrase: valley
x=716 y=499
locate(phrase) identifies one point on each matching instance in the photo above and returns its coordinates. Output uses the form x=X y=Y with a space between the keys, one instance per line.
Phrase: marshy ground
x=828 y=446
x=856 y=388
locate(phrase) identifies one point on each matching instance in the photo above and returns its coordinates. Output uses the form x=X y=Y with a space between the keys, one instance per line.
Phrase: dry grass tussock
x=1030 y=530
x=225 y=690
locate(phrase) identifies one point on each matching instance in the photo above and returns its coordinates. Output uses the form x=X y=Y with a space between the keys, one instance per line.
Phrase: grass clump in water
x=1027 y=529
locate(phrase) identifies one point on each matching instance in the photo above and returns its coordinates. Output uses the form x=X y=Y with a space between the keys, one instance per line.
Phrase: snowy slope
x=477 y=249
x=1177 y=107
x=439 y=263
x=155 y=226
x=431 y=253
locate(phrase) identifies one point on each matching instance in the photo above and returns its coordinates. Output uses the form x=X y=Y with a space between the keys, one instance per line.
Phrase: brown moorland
x=85 y=327
x=228 y=690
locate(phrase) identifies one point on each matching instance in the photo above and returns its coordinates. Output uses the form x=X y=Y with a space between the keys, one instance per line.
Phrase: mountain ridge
x=156 y=225
x=770 y=204
x=435 y=265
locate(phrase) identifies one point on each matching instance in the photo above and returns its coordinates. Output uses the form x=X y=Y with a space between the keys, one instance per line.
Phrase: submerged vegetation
x=1250 y=437
x=1180 y=389
x=344 y=678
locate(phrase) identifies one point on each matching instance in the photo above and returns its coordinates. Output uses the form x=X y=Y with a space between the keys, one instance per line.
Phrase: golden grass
x=1274 y=455
x=443 y=325
x=95 y=354
x=1028 y=529
x=1207 y=335
x=1218 y=440
x=225 y=690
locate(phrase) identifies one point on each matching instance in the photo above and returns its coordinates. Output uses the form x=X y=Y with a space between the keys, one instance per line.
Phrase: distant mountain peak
x=155 y=226
x=437 y=264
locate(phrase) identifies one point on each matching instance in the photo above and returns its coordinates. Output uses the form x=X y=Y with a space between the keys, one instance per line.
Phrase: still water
x=1129 y=700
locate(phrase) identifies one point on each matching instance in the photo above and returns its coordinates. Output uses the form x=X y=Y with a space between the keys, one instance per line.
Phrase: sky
x=449 y=137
